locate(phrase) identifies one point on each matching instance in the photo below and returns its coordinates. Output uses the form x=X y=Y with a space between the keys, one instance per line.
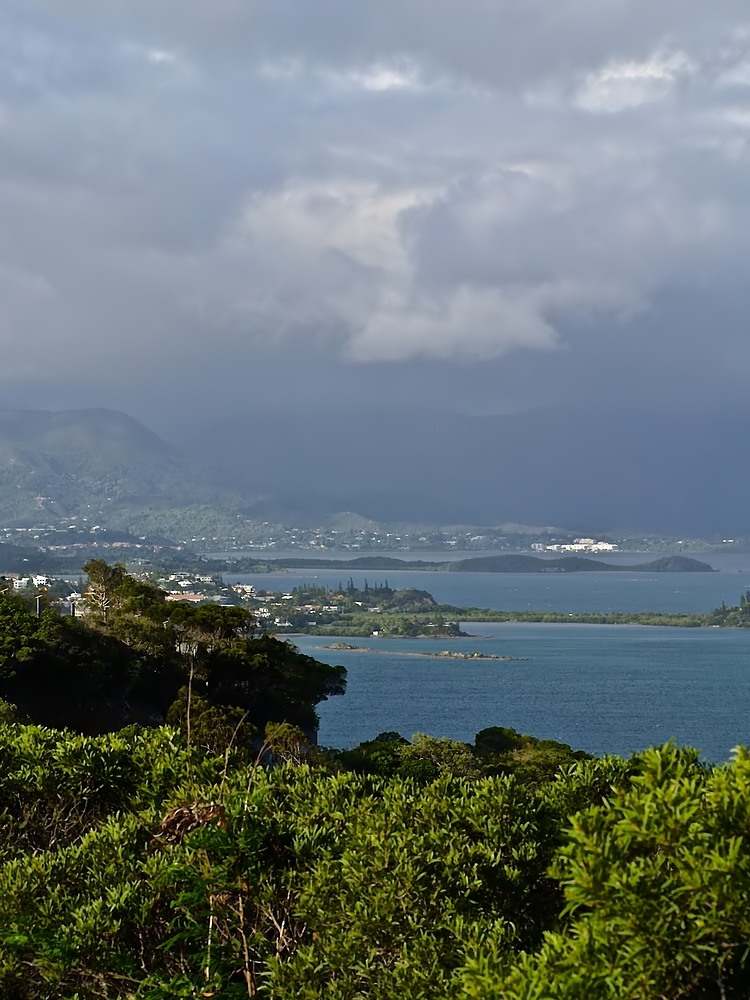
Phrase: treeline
x=133 y=657
x=133 y=867
x=733 y=617
x=664 y=618
x=350 y=610
x=415 y=612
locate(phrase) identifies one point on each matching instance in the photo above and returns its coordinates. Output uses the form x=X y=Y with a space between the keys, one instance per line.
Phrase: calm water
x=622 y=591
x=605 y=689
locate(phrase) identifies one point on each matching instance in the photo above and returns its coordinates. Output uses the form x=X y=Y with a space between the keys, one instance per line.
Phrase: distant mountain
x=586 y=470
x=663 y=471
x=89 y=462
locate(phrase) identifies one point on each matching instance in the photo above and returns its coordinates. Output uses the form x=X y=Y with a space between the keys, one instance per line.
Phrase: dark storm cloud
x=187 y=189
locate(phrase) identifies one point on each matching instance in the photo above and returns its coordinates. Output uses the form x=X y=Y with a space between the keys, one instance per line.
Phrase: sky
x=211 y=207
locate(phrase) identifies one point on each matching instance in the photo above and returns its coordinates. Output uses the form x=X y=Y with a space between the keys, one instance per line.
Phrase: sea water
x=605 y=689
x=601 y=688
x=625 y=590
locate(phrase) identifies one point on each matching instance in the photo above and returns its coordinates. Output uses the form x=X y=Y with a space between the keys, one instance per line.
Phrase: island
x=486 y=564
x=444 y=654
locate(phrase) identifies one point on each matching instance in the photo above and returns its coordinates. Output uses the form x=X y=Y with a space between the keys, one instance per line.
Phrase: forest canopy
x=135 y=868
x=128 y=656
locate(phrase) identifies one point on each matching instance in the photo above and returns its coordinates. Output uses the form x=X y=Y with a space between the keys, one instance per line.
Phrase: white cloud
x=160 y=56
x=155 y=56
x=737 y=75
x=380 y=78
x=466 y=323
x=620 y=85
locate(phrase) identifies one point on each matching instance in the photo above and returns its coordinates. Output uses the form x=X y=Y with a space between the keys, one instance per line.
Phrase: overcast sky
x=487 y=204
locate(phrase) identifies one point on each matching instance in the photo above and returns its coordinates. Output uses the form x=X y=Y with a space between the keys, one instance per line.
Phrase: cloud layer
x=185 y=188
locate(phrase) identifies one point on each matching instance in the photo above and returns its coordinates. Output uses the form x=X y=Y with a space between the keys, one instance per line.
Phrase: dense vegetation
x=225 y=855
x=733 y=617
x=722 y=617
x=134 y=655
x=349 y=611
x=134 y=867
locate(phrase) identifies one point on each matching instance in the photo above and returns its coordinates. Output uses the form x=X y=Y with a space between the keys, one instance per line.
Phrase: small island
x=452 y=655
x=444 y=654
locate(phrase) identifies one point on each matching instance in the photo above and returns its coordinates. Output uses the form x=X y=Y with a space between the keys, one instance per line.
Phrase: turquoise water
x=605 y=689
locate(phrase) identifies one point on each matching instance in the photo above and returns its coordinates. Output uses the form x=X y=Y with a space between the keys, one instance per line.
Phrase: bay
x=627 y=590
x=604 y=689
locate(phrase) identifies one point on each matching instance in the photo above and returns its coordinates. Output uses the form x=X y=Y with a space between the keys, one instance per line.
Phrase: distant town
x=81 y=535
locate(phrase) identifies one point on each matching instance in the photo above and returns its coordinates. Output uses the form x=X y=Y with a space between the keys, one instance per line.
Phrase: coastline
x=570 y=620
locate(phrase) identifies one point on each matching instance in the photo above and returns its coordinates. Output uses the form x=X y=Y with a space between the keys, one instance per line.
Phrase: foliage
x=132 y=868
x=657 y=880
x=495 y=751
x=57 y=785
x=138 y=868
x=734 y=617
x=214 y=729
x=127 y=660
x=60 y=672
x=402 y=882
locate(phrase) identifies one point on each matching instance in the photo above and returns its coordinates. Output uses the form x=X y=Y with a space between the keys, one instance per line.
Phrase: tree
x=657 y=881
x=129 y=664
x=431 y=756
x=100 y=598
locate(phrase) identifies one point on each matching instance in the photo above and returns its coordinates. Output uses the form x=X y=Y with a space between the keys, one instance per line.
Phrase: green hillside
x=93 y=462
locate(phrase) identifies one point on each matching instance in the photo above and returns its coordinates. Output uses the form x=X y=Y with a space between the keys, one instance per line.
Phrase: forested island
x=516 y=563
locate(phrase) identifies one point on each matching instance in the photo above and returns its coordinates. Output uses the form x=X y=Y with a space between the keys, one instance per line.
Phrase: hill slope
x=88 y=462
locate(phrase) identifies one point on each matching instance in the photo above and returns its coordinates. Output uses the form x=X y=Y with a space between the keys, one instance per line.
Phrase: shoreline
x=501 y=621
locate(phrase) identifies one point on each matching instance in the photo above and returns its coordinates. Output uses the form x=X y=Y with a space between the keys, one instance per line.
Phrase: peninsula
x=383 y=611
